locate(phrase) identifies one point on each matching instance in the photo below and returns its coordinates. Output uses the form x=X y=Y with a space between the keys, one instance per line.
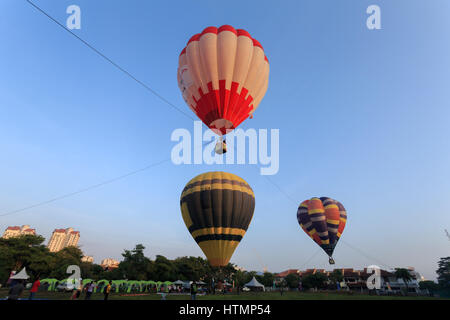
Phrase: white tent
x=254 y=284
x=22 y=275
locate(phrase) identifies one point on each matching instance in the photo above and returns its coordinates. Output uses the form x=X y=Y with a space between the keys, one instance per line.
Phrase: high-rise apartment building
x=109 y=263
x=16 y=231
x=62 y=238
x=88 y=259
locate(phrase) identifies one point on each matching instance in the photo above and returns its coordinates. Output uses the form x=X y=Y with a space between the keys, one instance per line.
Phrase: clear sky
x=363 y=118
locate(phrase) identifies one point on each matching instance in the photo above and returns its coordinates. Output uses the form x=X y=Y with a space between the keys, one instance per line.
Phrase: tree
x=219 y=274
x=443 y=272
x=336 y=276
x=248 y=276
x=292 y=280
x=98 y=272
x=29 y=251
x=431 y=286
x=135 y=264
x=401 y=273
x=240 y=277
x=24 y=251
x=5 y=263
x=64 y=258
x=190 y=268
x=316 y=281
x=164 y=269
x=21 y=249
x=267 y=279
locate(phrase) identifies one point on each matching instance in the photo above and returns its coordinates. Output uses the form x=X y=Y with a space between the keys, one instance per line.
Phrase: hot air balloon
x=323 y=219
x=217 y=208
x=223 y=74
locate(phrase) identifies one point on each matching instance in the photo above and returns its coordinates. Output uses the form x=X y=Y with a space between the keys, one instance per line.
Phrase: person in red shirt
x=34 y=288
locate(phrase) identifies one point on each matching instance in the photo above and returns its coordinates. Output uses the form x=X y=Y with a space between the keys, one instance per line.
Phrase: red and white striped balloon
x=223 y=75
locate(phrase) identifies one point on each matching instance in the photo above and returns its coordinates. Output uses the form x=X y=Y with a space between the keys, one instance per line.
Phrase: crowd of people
x=89 y=290
x=17 y=288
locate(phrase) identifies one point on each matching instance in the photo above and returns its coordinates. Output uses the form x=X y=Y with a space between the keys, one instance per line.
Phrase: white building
x=88 y=259
x=109 y=263
x=62 y=238
x=16 y=231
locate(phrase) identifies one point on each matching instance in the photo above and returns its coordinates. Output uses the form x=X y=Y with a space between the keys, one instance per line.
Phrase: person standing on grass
x=89 y=291
x=164 y=292
x=76 y=292
x=34 y=288
x=10 y=283
x=16 y=291
x=193 y=290
x=107 y=290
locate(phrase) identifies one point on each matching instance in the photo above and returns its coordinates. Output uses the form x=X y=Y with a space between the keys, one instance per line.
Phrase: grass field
x=242 y=296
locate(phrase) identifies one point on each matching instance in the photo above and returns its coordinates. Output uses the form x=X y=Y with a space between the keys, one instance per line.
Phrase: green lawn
x=242 y=296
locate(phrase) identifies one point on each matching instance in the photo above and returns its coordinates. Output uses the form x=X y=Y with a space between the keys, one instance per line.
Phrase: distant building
x=357 y=279
x=88 y=259
x=415 y=274
x=287 y=272
x=17 y=231
x=62 y=238
x=109 y=264
x=239 y=268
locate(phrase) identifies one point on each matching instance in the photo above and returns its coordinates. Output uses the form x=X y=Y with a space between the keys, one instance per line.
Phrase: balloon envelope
x=217 y=208
x=223 y=74
x=323 y=219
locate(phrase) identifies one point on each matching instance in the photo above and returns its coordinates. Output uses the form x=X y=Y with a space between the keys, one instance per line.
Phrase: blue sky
x=363 y=118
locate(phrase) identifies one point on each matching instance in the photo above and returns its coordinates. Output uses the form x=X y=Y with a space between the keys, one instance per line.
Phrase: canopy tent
x=70 y=282
x=152 y=286
x=22 y=275
x=117 y=284
x=134 y=284
x=85 y=281
x=254 y=284
x=101 y=284
x=51 y=283
x=103 y=280
x=147 y=285
x=178 y=282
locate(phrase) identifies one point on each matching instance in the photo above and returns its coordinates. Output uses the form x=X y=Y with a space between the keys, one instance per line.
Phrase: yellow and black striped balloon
x=217 y=208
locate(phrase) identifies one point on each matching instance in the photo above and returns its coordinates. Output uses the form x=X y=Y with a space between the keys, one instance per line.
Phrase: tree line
x=30 y=252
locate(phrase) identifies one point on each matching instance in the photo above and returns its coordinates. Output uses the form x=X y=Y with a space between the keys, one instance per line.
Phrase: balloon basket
x=221 y=146
x=331 y=260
